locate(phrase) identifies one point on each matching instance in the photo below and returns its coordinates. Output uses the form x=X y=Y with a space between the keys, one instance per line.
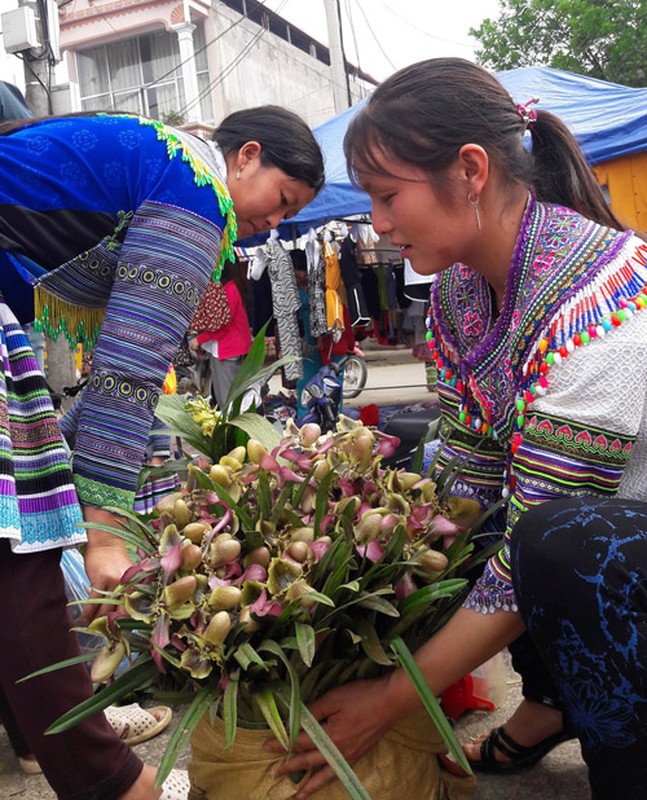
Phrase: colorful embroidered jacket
x=120 y=221
x=554 y=390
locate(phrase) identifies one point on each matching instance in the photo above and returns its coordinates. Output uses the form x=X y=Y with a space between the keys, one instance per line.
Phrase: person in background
x=538 y=328
x=110 y=225
x=229 y=344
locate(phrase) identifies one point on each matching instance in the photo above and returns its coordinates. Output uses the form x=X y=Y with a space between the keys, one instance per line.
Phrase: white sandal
x=134 y=724
x=176 y=786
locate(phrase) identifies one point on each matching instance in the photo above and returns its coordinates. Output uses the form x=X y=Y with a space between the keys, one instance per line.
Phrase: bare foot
x=530 y=724
x=144 y=786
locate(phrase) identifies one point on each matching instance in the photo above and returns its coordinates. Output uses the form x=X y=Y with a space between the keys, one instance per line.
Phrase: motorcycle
x=355 y=373
x=324 y=394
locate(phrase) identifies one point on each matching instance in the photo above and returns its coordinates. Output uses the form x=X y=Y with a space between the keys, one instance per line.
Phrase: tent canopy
x=608 y=120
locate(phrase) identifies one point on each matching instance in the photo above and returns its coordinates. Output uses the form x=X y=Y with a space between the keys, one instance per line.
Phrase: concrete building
x=188 y=61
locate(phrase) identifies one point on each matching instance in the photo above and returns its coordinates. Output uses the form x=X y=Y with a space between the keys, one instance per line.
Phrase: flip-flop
x=176 y=786
x=134 y=724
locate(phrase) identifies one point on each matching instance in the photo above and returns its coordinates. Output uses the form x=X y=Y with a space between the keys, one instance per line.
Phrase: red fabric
x=345 y=345
x=235 y=338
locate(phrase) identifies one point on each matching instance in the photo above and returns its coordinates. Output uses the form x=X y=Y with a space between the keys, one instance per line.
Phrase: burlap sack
x=403 y=766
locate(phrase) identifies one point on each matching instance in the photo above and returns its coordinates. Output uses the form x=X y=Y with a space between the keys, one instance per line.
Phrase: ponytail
x=562 y=174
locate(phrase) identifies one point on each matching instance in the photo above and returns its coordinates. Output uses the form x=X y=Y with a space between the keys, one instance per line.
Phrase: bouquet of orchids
x=283 y=567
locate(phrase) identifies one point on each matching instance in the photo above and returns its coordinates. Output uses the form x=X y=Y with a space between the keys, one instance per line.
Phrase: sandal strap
x=499 y=739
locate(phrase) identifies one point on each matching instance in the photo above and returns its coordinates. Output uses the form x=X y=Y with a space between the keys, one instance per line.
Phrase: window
x=143 y=76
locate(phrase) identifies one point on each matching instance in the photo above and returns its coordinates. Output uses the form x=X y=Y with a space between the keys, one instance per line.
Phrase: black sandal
x=520 y=757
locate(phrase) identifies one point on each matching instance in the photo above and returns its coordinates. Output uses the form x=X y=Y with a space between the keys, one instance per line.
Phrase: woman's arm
x=358 y=714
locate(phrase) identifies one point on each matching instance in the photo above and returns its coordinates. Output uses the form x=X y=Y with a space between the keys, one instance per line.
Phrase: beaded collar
x=486 y=364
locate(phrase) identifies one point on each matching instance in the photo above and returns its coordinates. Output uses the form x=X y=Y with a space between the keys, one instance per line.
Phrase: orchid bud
x=369 y=526
x=255 y=451
x=321 y=469
x=247 y=621
x=433 y=561
x=260 y=555
x=107 y=661
x=220 y=475
x=166 y=503
x=217 y=629
x=224 y=598
x=298 y=551
x=224 y=549
x=297 y=590
x=309 y=433
x=237 y=454
x=181 y=513
x=195 y=531
x=178 y=592
x=191 y=556
x=305 y=534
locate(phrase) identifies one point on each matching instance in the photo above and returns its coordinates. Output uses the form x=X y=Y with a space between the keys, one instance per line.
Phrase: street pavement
x=559 y=776
x=394 y=378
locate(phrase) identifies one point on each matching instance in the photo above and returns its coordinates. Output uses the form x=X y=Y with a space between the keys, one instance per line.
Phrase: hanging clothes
x=334 y=301
x=285 y=305
x=351 y=276
x=316 y=287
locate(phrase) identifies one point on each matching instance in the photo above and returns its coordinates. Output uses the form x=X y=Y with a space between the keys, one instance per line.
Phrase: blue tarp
x=608 y=120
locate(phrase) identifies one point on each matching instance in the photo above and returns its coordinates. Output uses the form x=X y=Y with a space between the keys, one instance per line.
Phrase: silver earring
x=475 y=206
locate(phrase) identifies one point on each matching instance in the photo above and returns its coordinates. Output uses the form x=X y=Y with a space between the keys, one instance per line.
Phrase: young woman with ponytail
x=538 y=326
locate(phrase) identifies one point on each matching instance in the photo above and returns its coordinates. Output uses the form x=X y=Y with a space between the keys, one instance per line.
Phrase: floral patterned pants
x=580 y=574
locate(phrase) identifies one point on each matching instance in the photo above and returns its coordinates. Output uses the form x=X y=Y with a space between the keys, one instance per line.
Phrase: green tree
x=605 y=39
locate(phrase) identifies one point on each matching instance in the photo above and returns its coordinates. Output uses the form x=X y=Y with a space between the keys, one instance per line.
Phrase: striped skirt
x=39 y=509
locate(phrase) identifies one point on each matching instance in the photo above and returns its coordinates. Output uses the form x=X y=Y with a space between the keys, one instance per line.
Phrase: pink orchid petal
x=287 y=474
x=269 y=463
x=319 y=548
x=214 y=581
x=387 y=445
x=172 y=560
x=441 y=526
x=405 y=587
x=255 y=572
x=373 y=550
x=263 y=607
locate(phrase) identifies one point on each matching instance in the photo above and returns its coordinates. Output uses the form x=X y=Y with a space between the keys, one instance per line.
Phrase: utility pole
x=38 y=63
x=340 y=83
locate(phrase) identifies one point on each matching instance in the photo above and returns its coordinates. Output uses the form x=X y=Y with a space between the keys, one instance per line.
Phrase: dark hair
x=426 y=112
x=286 y=141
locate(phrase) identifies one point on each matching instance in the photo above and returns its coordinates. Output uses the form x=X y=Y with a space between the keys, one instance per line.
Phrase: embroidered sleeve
x=164 y=265
x=577 y=438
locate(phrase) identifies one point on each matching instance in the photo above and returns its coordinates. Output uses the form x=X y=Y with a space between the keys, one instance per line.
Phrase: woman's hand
x=355 y=716
x=106 y=560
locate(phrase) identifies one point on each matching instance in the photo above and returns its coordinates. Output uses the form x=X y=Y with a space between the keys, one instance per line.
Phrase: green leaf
x=333 y=756
x=295 y=691
x=430 y=702
x=269 y=710
x=69 y=662
x=230 y=711
x=434 y=591
x=133 y=679
x=257 y=427
x=246 y=656
x=306 y=641
x=198 y=707
x=133 y=539
x=378 y=604
x=371 y=644
x=321 y=502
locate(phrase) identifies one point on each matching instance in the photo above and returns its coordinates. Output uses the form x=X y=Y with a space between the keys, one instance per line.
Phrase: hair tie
x=528 y=115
